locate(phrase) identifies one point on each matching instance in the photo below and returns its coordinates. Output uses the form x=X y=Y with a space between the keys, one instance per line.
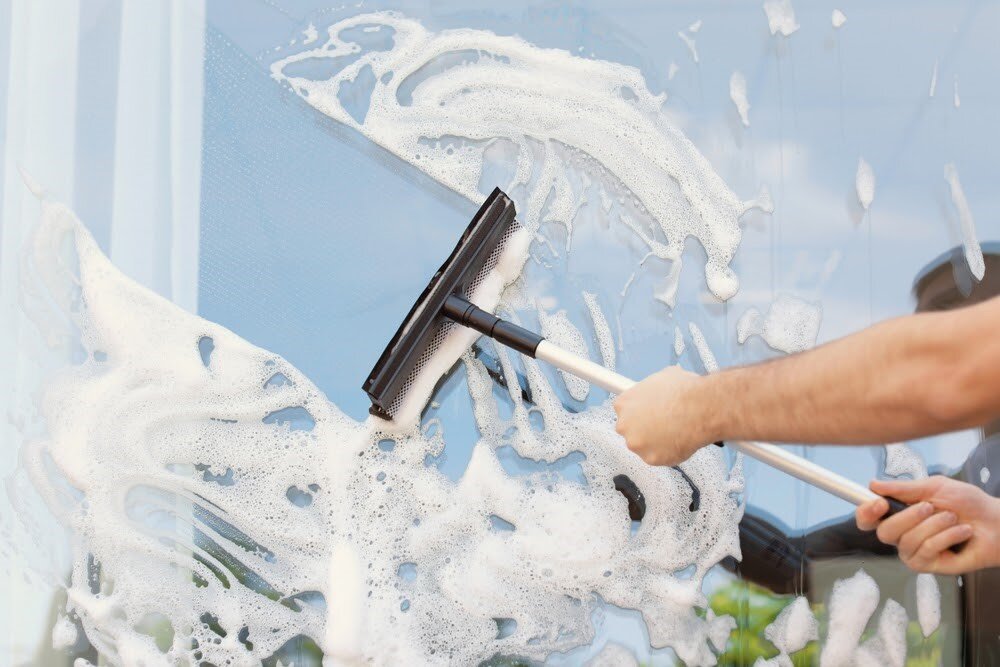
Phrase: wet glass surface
x=314 y=242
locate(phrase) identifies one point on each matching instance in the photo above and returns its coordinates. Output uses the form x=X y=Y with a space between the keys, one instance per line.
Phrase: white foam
x=672 y=71
x=559 y=330
x=780 y=17
x=64 y=633
x=984 y=475
x=852 y=603
x=704 y=351
x=678 y=341
x=444 y=116
x=838 y=18
x=928 y=603
x=487 y=295
x=887 y=648
x=793 y=628
x=666 y=291
x=864 y=183
x=738 y=94
x=780 y=660
x=967 y=226
x=695 y=27
x=605 y=340
x=751 y=323
x=614 y=655
x=141 y=427
x=791 y=324
x=901 y=459
x=310 y=34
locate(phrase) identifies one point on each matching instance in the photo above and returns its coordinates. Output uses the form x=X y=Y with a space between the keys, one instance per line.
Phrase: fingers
x=908 y=491
x=933 y=555
x=890 y=530
x=868 y=514
x=635 y=431
x=923 y=534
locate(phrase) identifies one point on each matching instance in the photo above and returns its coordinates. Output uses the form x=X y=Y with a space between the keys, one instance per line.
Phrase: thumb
x=908 y=491
x=868 y=514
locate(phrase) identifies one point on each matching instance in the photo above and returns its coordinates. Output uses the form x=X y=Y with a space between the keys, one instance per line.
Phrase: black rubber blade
x=457 y=275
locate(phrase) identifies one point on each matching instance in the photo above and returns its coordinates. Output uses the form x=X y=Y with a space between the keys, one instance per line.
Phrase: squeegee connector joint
x=462 y=311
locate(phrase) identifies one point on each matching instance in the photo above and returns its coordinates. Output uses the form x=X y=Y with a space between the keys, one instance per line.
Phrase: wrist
x=711 y=422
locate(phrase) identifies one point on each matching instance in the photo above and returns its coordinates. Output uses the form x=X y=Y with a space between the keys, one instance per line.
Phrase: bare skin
x=906 y=378
x=944 y=512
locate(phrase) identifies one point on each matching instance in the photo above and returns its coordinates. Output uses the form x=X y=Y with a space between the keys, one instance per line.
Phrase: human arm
x=943 y=512
x=901 y=379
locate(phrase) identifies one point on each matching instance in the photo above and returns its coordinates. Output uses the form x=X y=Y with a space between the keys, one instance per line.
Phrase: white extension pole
x=772 y=455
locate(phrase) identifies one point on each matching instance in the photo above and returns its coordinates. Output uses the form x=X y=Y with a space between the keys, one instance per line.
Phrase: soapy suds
x=864 y=183
x=184 y=466
x=666 y=291
x=852 y=603
x=695 y=27
x=672 y=71
x=794 y=627
x=928 y=603
x=887 y=647
x=605 y=340
x=791 y=324
x=440 y=99
x=678 y=341
x=704 y=351
x=560 y=330
x=984 y=475
x=934 y=74
x=901 y=459
x=780 y=17
x=738 y=94
x=838 y=18
x=614 y=655
x=117 y=428
x=967 y=226
x=751 y=323
x=64 y=633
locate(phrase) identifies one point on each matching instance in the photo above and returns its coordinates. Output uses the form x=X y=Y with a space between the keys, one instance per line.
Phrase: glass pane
x=700 y=185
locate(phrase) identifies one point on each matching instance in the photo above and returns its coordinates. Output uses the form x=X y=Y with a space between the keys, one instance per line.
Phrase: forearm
x=905 y=378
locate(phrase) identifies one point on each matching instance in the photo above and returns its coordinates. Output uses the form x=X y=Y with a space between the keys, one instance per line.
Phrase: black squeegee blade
x=456 y=276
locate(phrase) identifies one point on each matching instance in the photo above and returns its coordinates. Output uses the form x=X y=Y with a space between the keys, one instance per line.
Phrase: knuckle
x=933 y=546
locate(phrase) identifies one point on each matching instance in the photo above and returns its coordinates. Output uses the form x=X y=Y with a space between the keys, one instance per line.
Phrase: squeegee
x=446 y=302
